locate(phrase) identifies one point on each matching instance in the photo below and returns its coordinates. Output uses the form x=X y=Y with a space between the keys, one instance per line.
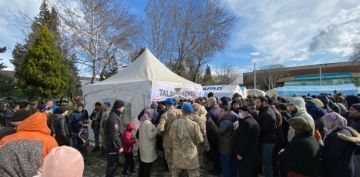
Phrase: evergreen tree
x=208 y=79
x=6 y=83
x=42 y=72
x=2 y=50
x=74 y=80
x=18 y=56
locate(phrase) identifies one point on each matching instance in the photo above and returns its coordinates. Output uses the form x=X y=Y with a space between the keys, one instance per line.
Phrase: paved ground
x=96 y=167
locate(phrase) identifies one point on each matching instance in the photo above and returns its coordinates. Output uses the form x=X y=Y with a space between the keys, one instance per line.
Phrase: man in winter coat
x=96 y=116
x=213 y=115
x=213 y=109
x=104 y=118
x=164 y=126
x=354 y=114
x=75 y=120
x=225 y=133
x=268 y=139
x=185 y=135
x=112 y=129
x=34 y=128
x=246 y=144
x=297 y=108
x=61 y=128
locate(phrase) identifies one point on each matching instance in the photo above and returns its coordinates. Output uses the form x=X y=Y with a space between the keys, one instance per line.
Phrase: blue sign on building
x=323 y=76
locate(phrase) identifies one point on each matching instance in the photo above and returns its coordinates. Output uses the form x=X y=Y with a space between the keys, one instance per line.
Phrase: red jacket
x=127 y=140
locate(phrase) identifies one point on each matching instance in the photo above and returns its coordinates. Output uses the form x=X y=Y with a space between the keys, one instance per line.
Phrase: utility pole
x=254 y=75
x=320 y=74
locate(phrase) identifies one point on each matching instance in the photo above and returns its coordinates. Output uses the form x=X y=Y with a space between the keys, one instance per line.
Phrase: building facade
x=312 y=75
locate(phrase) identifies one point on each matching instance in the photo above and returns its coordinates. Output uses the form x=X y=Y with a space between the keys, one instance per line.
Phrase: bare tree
x=186 y=33
x=271 y=75
x=356 y=53
x=225 y=75
x=99 y=32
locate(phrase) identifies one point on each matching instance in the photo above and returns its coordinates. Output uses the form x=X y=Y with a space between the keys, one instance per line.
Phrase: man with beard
x=267 y=122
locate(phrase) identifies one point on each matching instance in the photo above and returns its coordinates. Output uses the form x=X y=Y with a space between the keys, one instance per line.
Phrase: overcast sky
x=288 y=32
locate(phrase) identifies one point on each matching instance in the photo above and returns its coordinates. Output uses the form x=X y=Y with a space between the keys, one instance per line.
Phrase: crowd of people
x=308 y=136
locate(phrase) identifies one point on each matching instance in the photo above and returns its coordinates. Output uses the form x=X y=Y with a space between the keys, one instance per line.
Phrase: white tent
x=256 y=92
x=143 y=81
x=222 y=90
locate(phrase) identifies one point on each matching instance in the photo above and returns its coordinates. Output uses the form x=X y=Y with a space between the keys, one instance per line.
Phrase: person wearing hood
x=16 y=119
x=112 y=129
x=147 y=144
x=164 y=126
x=185 y=135
x=200 y=118
x=225 y=133
x=20 y=158
x=61 y=128
x=268 y=139
x=128 y=141
x=302 y=155
x=34 y=128
x=246 y=144
x=297 y=108
x=63 y=161
x=316 y=113
x=338 y=155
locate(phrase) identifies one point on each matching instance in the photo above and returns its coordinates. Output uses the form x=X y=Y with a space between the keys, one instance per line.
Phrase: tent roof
x=146 y=67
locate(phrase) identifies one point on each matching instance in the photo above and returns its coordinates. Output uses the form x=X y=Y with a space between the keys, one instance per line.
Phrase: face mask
x=241 y=115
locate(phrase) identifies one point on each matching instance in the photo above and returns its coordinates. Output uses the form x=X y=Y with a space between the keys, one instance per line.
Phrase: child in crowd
x=84 y=137
x=128 y=141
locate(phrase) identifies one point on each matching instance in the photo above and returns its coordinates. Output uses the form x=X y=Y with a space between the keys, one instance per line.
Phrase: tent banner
x=160 y=91
x=190 y=93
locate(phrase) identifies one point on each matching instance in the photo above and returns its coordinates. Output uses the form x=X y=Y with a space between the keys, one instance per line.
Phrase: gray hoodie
x=301 y=112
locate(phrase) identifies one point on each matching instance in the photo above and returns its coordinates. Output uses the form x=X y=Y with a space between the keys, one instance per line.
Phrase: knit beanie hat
x=356 y=107
x=318 y=102
x=20 y=115
x=119 y=104
x=300 y=125
x=20 y=158
x=42 y=107
x=63 y=161
x=188 y=107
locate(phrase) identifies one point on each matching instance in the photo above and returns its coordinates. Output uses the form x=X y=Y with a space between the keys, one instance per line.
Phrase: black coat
x=267 y=122
x=113 y=132
x=225 y=133
x=246 y=142
x=338 y=155
x=302 y=155
x=61 y=130
x=96 y=119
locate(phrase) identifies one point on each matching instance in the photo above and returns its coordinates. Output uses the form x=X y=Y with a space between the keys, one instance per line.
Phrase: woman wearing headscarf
x=338 y=155
x=147 y=143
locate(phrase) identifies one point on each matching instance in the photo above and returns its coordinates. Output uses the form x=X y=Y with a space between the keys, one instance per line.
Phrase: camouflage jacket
x=185 y=135
x=165 y=124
